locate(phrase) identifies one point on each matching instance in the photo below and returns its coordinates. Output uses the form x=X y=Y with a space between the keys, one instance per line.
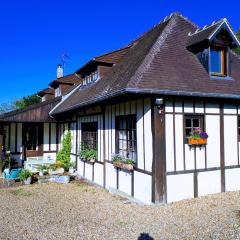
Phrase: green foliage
x=63 y=156
x=20 y=103
x=25 y=174
x=87 y=153
x=20 y=192
x=27 y=101
x=42 y=167
x=237 y=50
x=120 y=159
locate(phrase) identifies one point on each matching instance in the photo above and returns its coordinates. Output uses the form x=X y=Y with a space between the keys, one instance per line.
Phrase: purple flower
x=203 y=135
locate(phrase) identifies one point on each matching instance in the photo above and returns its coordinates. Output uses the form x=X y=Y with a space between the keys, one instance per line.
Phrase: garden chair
x=12 y=175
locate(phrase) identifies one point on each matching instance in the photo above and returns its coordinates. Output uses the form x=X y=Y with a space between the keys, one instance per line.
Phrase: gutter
x=148 y=91
x=182 y=93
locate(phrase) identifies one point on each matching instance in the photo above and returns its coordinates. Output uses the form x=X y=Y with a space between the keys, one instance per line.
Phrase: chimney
x=59 y=71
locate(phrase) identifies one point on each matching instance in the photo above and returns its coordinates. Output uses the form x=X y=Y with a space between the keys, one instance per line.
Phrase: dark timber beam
x=159 y=189
x=222 y=152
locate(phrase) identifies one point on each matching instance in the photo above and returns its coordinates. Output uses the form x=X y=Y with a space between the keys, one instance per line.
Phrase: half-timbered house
x=31 y=132
x=143 y=100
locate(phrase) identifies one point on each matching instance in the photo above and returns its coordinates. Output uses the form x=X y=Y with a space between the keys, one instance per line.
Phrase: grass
x=20 y=192
x=84 y=187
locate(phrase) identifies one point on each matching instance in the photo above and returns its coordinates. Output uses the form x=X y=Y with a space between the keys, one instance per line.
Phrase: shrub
x=63 y=155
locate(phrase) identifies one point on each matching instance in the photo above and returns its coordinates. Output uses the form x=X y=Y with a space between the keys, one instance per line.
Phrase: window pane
x=188 y=122
x=126 y=127
x=196 y=123
x=216 y=61
x=188 y=131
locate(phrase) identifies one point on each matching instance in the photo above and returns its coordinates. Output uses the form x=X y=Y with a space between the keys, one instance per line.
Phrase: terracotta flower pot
x=128 y=167
x=117 y=164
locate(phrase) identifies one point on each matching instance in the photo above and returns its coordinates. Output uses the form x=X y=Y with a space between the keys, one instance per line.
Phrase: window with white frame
x=126 y=136
x=58 y=92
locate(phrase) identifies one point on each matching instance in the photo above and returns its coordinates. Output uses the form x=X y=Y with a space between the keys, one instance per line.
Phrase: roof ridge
x=207 y=26
x=187 y=19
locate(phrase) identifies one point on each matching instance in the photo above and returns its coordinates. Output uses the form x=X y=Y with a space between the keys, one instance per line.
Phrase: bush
x=63 y=156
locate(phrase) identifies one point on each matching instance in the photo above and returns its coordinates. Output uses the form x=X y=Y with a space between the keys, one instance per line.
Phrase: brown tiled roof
x=113 y=57
x=49 y=91
x=158 y=63
x=203 y=34
x=70 y=79
x=35 y=113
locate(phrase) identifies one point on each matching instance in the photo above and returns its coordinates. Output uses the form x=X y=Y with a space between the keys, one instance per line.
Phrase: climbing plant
x=63 y=155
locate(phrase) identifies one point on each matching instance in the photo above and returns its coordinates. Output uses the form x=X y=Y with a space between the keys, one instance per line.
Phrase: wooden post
x=159 y=193
x=222 y=152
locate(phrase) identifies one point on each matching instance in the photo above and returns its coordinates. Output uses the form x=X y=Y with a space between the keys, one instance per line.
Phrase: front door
x=32 y=139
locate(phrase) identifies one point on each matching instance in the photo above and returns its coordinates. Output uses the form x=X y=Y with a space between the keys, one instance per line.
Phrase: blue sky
x=34 y=33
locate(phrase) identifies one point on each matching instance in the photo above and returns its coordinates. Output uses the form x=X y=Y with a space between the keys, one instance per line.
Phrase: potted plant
x=123 y=163
x=42 y=169
x=88 y=154
x=197 y=137
x=25 y=176
x=128 y=164
x=117 y=160
x=71 y=167
x=56 y=168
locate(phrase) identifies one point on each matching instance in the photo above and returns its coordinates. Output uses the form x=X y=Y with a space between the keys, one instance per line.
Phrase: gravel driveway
x=80 y=211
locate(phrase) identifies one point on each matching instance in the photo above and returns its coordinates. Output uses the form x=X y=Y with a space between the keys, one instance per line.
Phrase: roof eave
x=150 y=92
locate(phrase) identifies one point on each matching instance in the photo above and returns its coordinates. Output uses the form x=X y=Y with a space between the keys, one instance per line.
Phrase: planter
x=57 y=171
x=199 y=141
x=27 y=181
x=128 y=167
x=89 y=161
x=62 y=179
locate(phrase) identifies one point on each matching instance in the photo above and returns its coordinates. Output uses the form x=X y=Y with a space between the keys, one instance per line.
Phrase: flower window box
x=123 y=163
x=197 y=137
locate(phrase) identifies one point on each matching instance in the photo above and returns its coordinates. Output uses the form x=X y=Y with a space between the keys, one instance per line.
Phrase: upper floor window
x=92 y=77
x=57 y=92
x=218 y=58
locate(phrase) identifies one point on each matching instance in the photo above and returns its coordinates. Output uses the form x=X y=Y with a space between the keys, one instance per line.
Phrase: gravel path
x=80 y=211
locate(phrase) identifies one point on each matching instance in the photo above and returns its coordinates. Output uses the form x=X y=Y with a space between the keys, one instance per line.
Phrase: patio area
x=81 y=211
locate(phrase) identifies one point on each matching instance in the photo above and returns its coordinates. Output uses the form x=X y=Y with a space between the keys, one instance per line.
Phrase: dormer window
x=218 y=59
x=57 y=92
x=92 y=77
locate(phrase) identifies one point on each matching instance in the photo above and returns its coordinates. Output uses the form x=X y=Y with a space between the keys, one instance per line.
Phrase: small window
x=218 y=62
x=192 y=123
x=90 y=135
x=126 y=137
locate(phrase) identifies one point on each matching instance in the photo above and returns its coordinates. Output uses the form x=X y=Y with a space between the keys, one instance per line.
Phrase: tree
x=20 y=103
x=26 y=101
x=237 y=50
